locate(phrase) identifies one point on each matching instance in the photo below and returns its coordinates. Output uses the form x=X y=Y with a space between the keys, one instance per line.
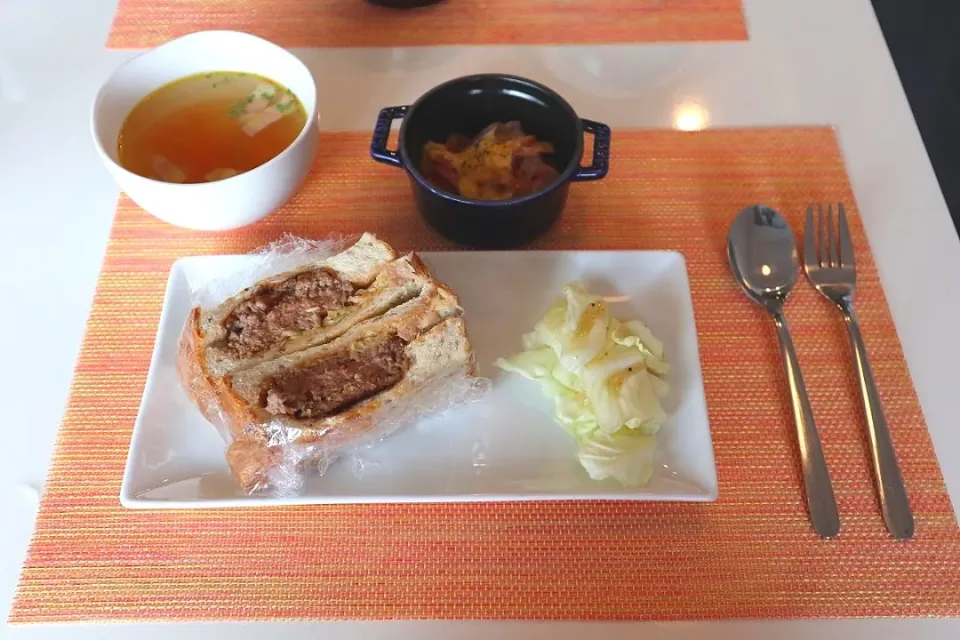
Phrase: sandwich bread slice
x=291 y=311
x=322 y=356
x=305 y=306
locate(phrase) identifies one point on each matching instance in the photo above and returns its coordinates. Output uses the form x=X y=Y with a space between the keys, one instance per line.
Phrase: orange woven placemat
x=751 y=554
x=356 y=23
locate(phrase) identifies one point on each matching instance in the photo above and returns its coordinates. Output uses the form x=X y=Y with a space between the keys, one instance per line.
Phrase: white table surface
x=806 y=62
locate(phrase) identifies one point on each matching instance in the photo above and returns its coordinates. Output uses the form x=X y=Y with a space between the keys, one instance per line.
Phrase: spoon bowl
x=763 y=255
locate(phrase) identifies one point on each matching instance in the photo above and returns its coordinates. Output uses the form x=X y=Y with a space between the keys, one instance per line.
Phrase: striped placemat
x=357 y=23
x=750 y=555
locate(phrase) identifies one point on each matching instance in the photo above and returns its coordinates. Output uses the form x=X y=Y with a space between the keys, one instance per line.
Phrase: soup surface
x=209 y=126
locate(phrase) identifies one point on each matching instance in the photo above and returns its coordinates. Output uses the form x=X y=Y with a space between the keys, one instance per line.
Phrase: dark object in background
x=403 y=4
x=467 y=105
x=922 y=38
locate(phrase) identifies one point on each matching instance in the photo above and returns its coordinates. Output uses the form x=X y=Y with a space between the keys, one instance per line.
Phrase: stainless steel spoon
x=763 y=256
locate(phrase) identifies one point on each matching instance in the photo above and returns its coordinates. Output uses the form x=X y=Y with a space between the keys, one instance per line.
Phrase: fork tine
x=832 y=238
x=822 y=237
x=810 y=241
x=846 y=245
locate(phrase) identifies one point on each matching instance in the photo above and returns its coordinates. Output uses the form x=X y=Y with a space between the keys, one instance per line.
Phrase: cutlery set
x=763 y=256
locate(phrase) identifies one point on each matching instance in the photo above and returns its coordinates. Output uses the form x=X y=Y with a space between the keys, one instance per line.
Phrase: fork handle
x=816 y=479
x=890 y=488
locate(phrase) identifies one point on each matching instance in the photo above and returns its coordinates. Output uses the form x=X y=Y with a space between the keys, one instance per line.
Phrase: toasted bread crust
x=202 y=388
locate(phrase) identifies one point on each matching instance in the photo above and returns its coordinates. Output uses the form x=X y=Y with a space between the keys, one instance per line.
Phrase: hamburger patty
x=330 y=385
x=277 y=311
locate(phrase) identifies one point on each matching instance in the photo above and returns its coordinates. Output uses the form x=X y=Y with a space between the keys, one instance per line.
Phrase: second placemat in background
x=357 y=23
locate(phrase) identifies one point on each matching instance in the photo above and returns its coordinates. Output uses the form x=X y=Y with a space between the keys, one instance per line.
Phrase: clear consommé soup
x=209 y=126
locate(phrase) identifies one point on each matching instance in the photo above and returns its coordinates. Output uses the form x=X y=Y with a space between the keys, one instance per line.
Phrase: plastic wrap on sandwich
x=311 y=353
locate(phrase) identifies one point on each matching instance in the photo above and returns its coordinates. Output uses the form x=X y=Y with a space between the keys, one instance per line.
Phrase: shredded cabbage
x=606 y=380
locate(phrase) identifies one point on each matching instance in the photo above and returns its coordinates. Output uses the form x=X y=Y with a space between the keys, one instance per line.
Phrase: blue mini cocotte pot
x=467 y=105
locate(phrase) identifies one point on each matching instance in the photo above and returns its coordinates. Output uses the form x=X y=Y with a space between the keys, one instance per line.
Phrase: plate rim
x=127 y=498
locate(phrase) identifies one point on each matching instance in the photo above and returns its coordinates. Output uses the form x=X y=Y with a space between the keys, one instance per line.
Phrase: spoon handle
x=816 y=479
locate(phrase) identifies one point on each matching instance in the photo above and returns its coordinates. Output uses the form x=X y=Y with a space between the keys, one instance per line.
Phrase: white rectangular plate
x=503 y=447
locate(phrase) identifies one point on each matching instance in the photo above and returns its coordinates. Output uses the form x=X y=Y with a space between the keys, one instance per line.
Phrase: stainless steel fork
x=828 y=261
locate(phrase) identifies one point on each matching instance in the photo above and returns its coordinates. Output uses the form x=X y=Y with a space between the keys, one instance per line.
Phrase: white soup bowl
x=223 y=204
